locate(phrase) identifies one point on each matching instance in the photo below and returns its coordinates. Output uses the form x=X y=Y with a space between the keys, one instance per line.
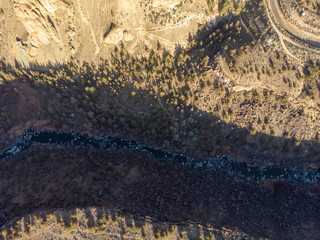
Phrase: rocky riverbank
x=225 y=165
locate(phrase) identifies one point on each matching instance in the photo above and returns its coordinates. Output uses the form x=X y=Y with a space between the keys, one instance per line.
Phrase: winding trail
x=143 y=33
x=167 y=27
x=86 y=21
x=296 y=20
x=289 y=32
x=146 y=33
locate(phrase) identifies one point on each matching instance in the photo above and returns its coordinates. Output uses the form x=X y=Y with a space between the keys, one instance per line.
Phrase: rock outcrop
x=116 y=35
x=57 y=31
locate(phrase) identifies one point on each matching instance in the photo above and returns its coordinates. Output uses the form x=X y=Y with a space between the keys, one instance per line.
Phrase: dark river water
x=225 y=165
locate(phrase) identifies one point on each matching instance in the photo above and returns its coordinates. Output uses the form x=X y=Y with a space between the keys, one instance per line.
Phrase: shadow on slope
x=49 y=177
x=106 y=101
x=150 y=100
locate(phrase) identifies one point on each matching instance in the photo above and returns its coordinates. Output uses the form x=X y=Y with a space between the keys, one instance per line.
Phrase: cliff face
x=60 y=30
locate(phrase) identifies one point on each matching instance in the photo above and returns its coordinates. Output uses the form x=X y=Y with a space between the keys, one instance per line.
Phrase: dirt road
x=309 y=39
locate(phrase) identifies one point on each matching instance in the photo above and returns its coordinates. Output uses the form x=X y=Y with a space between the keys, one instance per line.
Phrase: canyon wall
x=57 y=31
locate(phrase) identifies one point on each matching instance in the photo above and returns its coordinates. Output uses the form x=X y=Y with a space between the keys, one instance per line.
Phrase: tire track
x=172 y=26
x=171 y=45
x=86 y=21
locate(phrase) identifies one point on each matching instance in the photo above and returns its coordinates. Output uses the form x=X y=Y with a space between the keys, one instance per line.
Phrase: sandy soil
x=59 y=31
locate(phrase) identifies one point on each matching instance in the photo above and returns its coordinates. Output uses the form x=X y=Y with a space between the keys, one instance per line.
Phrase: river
x=225 y=165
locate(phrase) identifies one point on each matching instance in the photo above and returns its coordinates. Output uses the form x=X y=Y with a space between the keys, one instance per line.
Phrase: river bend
x=224 y=165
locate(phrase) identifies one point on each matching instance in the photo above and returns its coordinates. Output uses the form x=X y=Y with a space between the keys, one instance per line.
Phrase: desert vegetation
x=35 y=181
x=181 y=101
x=101 y=223
x=235 y=90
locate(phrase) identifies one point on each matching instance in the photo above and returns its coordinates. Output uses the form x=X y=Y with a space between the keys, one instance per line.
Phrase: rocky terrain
x=201 y=78
x=54 y=32
x=136 y=183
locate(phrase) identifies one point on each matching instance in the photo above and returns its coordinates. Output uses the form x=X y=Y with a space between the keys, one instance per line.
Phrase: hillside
x=200 y=79
x=50 y=32
x=100 y=223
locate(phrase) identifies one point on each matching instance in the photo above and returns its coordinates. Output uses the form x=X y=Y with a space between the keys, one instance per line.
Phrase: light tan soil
x=54 y=32
x=101 y=223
